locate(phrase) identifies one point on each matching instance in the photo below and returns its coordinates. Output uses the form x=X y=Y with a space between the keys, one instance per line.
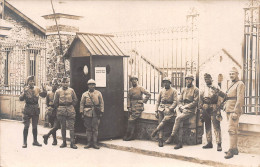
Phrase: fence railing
x=11 y=89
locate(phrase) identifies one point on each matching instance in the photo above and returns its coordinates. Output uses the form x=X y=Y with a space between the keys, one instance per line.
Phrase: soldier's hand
x=234 y=116
x=156 y=114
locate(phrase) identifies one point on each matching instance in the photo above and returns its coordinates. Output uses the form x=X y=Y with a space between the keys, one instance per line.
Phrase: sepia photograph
x=129 y=83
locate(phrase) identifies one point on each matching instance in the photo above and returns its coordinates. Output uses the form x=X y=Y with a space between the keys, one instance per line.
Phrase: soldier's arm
x=174 y=103
x=74 y=98
x=101 y=102
x=147 y=95
x=180 y=99
x=82 y=103
x=56 y=99
x=158 y=101
x=195 y=101
x=128 y=100
x=201 y=100
x=22 y=96
x=47 y=100
x=240 y=98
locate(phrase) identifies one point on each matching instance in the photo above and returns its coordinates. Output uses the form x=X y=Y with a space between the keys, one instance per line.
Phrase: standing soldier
x=234 y=102
x=187 y=105
x=211 y=112
x=52 y=113
x=164 y=110
x=135 y=106
x=31 y=110
x=92 y=108
x=64 y=100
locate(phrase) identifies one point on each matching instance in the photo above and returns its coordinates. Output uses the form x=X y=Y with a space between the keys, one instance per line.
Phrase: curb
x=166 y=155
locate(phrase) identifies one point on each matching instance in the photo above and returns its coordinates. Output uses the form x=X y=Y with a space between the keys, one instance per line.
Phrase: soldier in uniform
x=210 y=112
x=164 y=109
x=234 y=97
x=31 y=110
x=92 y=108
x=52 y=113
x=64 y=100
x=187 y=105
x=135 y=106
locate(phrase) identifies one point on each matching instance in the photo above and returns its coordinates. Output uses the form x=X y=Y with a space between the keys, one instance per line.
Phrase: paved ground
x=13 y=155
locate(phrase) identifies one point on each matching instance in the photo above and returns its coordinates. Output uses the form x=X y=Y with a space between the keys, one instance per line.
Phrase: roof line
x=231 y=57
x=19 y=13
x=85 y=33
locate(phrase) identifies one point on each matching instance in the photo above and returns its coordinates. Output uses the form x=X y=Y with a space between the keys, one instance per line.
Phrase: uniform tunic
x=136 y=102
x=31 y=108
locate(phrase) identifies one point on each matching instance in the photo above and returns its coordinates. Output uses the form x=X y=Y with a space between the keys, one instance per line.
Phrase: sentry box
x=97 y=56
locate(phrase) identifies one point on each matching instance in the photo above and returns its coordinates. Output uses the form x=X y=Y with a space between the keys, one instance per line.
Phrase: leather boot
x=219 y=148
x=154 y=133
x=95 y=143
x=63 y=134
x=89 y=135
x=25 y=134
x=178 y=146
x=169 y=140
x=35 y=142
x=209 y=145
x=229 y=154
x=234 y=151
x=45 y=139
x=132 y=130
x=72 y=140
x=54 y=143
x=160 y=142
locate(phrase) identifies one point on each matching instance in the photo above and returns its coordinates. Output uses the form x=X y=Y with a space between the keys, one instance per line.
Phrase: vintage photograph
x=129 y=83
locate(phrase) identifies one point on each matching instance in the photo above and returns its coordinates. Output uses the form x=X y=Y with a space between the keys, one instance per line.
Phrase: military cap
x=189 y=76
x=234 y=69
x=134 y=77
x=64 y=79
x=206 y=75
x=167 y=79
x=54 y=81
x=91 y=81
x=29 y=78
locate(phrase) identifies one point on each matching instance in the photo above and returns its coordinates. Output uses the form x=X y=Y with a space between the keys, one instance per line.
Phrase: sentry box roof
x=96 y=45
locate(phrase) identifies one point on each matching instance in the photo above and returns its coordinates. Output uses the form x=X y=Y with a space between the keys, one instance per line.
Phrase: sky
x=220 y=22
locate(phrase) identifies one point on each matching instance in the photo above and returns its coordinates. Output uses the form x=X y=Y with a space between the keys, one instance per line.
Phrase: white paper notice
x=100 y=76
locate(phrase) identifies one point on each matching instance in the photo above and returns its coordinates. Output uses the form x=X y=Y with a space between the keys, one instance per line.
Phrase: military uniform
x=64 y=101
x=189 y=99
x=135 y=104
x=165 y=105
x=31 y=110
x=91 y=117
x=211 y=111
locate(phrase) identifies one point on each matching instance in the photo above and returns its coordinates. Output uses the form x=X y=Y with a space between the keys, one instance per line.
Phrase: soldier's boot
x=63 y=134
x=35 y=142
x=89 y=135
x=46 y=137
x=209 y=145
x=132 y=131
x=160 y=142
x=178 y=146
x=170 y=139
x=95 y=143
x=159 y=127
x=229 y=154
x=25 y=134
x=219 y=148
x=234 y=150
x=72 y=140
x=127 y=133
x=54 y=143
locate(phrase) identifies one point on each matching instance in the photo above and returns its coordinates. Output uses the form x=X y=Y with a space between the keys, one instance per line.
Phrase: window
x=32 y=62
x=177 y=79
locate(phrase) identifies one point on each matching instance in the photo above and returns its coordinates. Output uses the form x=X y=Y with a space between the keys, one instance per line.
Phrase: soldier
x=234 y=102
x=187 y=105
x=210 y=112
x=92 y=108
x=52 y=114
x=135 y=106
x=164 y=109
x=31 y=110
x=64 y=100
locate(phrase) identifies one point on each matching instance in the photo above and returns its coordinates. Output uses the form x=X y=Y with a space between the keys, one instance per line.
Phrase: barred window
x=6 y=66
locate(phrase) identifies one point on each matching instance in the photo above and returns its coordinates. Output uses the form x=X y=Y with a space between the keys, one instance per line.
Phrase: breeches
x=27 y=120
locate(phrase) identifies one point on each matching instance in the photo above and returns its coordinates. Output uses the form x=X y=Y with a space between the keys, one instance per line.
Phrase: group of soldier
x=61 y=112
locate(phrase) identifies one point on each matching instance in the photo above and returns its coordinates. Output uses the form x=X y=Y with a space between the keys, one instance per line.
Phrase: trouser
x=209 y=117
x=91 y=124
x=232 y=130
x=178 y=125
x=67 y=122
x=26 y=122
x=56 y=126
x=163 y=120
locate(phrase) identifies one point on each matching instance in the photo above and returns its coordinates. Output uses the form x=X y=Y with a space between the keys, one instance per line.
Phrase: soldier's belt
x=166 y=102
x=231 y=98
x=186 y=101
x=87 y=106
x=31 y=103
x=66 y=104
